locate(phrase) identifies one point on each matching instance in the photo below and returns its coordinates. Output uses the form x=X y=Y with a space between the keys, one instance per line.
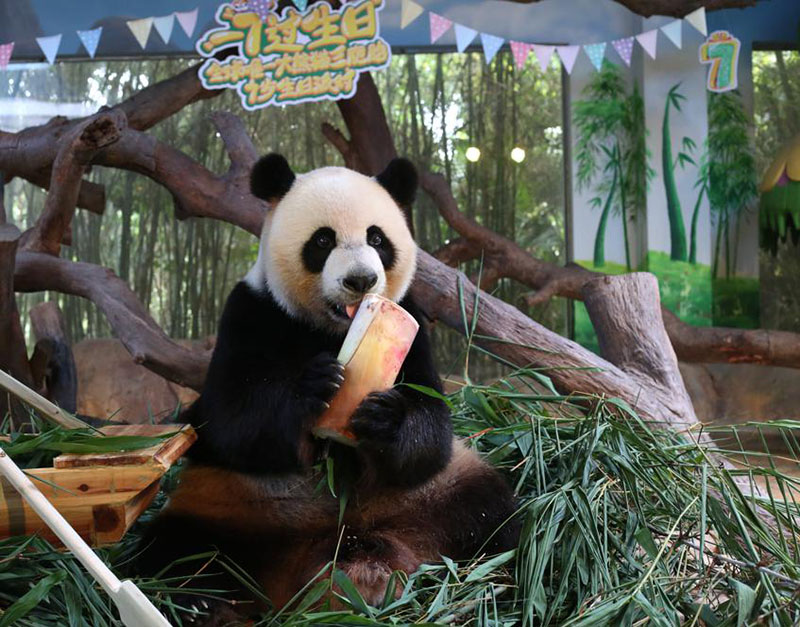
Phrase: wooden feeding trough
x=100 y=494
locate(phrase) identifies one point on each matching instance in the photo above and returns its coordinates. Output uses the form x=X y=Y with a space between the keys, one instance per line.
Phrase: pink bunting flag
x=439 y=26
x=624 y=48
x=520 y=51
x=5 y=55
x=648 y=41
x=568 y=56
x=187 y=20
x=543 y=54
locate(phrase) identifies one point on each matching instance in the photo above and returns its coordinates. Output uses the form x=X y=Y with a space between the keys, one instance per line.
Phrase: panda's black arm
x=406 y=434
x=260 y=394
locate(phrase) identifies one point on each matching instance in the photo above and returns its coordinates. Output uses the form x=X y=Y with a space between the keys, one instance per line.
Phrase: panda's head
x=332 y=236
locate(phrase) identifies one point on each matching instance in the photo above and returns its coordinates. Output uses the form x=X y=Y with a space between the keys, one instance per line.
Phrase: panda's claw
x=321 y=380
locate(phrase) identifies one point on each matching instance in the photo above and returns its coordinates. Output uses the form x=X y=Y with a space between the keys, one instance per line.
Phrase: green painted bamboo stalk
x=677 y=230
x=600 y=236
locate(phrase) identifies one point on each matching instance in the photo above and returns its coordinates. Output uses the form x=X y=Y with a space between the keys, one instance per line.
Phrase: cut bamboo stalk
x=373 y=352
x=51 y=411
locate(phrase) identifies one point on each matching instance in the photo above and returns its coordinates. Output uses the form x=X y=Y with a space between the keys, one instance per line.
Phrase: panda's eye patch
x=317 y=248
x=378 y=240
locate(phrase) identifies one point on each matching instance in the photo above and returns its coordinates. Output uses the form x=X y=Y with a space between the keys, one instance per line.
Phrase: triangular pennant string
x=5 y=54
x=439 y=25
x=624 y=48
x=697 y=19
x=187 y=20
x=543 y=55
x=520 y=51
x=90 y=39
x=409 y=11
x=464 y=37
x=302 y=5
x=163 y=26
x=568 y=56
x=673 y=32
x=648 y=41
x=596 y=52
x=141 y=29
x=49 y=46
x=491 y=44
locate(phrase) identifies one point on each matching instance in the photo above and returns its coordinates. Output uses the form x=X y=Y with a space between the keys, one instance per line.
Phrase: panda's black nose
x=360 y=283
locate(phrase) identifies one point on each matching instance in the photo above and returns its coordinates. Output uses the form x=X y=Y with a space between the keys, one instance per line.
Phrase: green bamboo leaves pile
x=623 y=523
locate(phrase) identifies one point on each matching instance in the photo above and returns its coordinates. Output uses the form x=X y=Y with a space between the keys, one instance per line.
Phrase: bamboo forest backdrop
x=437 y=106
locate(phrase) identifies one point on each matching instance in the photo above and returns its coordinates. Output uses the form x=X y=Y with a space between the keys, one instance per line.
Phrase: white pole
x=38 y=401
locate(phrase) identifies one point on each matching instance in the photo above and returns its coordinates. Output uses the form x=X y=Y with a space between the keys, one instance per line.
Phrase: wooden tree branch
x=73 y=157
x=132 y=324
x=513 y=336
x=31 y=153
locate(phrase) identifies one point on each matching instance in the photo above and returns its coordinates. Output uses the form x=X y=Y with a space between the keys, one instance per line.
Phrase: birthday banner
x=139 y=29
x=292 y=57
x=568 y=55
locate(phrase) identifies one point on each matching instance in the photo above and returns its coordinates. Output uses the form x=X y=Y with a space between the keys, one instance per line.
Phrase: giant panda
x=251 y=488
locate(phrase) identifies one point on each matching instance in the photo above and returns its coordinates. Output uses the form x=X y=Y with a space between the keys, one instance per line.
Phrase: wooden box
x=100 y=494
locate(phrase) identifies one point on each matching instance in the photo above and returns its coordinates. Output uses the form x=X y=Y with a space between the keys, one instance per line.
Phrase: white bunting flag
x=409 y=11
x=90 y=39
x=141 y=29
x=464 y=36
x=697 y=19
x=568 y=56
x=648 y=41
x=163 y=26
x=49 y=46
x=187 y=20
x=491 y=44
x=543 y=54
x=674 y=33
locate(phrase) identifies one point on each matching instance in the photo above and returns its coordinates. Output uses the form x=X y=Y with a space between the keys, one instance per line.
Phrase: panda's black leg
x=475 y=516
x=168 y=549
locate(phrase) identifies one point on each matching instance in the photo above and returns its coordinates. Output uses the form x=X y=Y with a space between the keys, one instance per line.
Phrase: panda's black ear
x=400 y=180
x=271 y=178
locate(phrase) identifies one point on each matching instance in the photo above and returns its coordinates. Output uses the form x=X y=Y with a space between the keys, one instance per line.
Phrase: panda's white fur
x=349 y=203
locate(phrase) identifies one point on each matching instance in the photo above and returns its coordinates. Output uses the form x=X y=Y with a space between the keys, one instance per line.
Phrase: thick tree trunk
x=13 y=354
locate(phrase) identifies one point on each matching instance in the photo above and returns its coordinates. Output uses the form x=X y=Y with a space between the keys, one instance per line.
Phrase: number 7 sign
x=721 y=50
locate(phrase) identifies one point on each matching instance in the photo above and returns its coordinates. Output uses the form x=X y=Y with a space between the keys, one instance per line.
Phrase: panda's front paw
x=321 y=380
x=379 y=417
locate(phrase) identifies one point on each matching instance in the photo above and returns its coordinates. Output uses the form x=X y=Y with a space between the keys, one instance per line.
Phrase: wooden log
x=625 y=311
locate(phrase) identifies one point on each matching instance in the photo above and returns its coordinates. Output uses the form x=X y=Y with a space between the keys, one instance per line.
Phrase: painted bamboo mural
x=677 y=230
